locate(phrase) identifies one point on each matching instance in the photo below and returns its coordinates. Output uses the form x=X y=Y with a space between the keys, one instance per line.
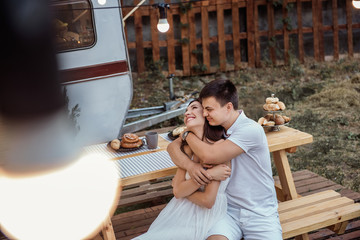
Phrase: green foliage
x=154 y=70
x=184 y=25
x=287 y=22
x=184 y=41
x=185 y=7
x=199 y=67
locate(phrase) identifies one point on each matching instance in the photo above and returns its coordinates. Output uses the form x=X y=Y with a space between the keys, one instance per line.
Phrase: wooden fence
x=246 y=33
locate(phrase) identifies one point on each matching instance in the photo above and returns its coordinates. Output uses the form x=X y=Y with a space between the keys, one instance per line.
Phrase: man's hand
x=199 y=174
x=220 y=172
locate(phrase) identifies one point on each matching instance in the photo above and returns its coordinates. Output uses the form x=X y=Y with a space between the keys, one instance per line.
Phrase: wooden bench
x=151 y=191
x=316 y=211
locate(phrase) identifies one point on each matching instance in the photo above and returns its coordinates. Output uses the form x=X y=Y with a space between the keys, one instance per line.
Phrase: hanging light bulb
x=102 y=2
x=356 y=3
x=163 y=25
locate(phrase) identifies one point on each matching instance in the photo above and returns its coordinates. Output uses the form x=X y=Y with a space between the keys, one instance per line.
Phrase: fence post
x=336 y=29
x=349 y=28
x=154 y=33
x=192 y=39
x=321 y=31
x=205 y=34
x=236 y=33
x=315 y=29
x=271 y=31
x=139 y=40
x=170 y=41
x=300 y=30
x=255 y=26
x=286 y=32
x=221 y=34
x=185 y=47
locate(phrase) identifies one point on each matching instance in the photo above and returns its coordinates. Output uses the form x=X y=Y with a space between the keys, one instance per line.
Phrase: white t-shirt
x=251 y=184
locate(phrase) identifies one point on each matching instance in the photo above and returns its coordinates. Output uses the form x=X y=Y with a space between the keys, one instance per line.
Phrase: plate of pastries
x=273 y=104
x=273 y=118
x=175 y=133
x=270 y=120
x=128 y=142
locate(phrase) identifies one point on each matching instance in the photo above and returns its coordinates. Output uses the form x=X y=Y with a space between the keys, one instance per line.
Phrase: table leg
x=108 y=230
x=285 y=176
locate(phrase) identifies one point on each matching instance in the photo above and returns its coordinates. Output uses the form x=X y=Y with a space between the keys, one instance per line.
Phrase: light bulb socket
x=162 y=9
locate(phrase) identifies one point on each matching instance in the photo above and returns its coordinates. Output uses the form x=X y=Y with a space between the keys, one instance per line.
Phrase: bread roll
x=177 y=131
x=115 y=144
x=270 y=100
x=131 y=145
x=281 y=105
x=261 y=120
x=130 y=138
x=272 y=107
x=269 y=117
x=269 y=123
x=287 y=119
x=279 y=120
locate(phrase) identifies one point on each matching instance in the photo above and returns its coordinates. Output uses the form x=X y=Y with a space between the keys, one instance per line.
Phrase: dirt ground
x=321 y=98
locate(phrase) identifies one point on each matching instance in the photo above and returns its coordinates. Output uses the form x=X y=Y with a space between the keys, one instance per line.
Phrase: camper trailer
x=94 y=66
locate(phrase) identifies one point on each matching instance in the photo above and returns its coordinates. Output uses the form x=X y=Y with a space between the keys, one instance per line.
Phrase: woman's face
x=194 y=115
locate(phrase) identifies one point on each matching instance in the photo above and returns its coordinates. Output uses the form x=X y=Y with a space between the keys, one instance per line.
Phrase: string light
x=356 y=3
x=102 y=2
x=163 y=25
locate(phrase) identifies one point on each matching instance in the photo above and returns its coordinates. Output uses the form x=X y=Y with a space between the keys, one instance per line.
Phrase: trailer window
x=73 y=23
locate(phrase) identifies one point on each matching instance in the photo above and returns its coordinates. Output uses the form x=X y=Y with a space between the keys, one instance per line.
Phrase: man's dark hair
x=223 y=90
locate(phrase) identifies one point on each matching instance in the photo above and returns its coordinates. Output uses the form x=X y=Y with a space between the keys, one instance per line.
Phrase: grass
x=321 y=98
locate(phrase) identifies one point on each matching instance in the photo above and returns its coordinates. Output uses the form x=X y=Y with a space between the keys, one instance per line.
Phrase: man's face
x=214 y=112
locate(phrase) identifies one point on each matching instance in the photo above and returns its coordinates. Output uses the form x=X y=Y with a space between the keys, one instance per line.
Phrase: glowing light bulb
x=356 y=3
x=102 y=2
x=163 y=25
x=70 y=203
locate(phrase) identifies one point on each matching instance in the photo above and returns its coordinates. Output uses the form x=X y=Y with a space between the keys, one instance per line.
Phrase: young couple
x=207 y=205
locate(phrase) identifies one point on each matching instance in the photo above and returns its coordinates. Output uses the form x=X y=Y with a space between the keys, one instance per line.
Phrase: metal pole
x=171 y=87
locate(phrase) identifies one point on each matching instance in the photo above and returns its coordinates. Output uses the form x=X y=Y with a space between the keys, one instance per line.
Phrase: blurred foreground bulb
x=356 y=3
x=102 y=2
x=70 y=203
x=163 y=25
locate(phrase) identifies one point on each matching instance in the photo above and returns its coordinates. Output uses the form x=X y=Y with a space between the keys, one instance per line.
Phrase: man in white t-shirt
x=252 y=203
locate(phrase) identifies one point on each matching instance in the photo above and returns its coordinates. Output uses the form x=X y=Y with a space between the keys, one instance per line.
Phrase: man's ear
x=229 y=106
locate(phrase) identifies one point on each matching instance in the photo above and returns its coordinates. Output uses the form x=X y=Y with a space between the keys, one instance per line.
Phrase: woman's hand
x=199 y=174
x=220 y=172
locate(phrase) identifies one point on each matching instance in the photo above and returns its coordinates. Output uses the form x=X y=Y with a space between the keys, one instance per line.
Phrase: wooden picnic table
x=280 y=142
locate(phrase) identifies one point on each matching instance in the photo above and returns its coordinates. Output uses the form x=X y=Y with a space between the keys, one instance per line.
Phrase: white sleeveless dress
x=184 y=220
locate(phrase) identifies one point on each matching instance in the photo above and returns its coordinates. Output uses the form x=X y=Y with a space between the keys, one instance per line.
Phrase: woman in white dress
x=194 y=209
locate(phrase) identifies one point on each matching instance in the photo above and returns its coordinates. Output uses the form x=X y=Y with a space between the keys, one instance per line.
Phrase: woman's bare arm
x=208 y=197
x=181 y=186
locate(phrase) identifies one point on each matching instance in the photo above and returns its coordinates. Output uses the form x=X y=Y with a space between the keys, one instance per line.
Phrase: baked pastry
x=269 y=123
x=115 y=144
x=261 y=120
x=130 y=140
x=270 y=100
x=271 y=107
x=269 y=117
x=287 y=119
x=177 y=131
x=281 y=105
x=279 y=120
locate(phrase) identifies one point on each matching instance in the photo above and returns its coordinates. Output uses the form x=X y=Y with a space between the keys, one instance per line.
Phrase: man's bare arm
x=213 y=153
x=180 y=159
